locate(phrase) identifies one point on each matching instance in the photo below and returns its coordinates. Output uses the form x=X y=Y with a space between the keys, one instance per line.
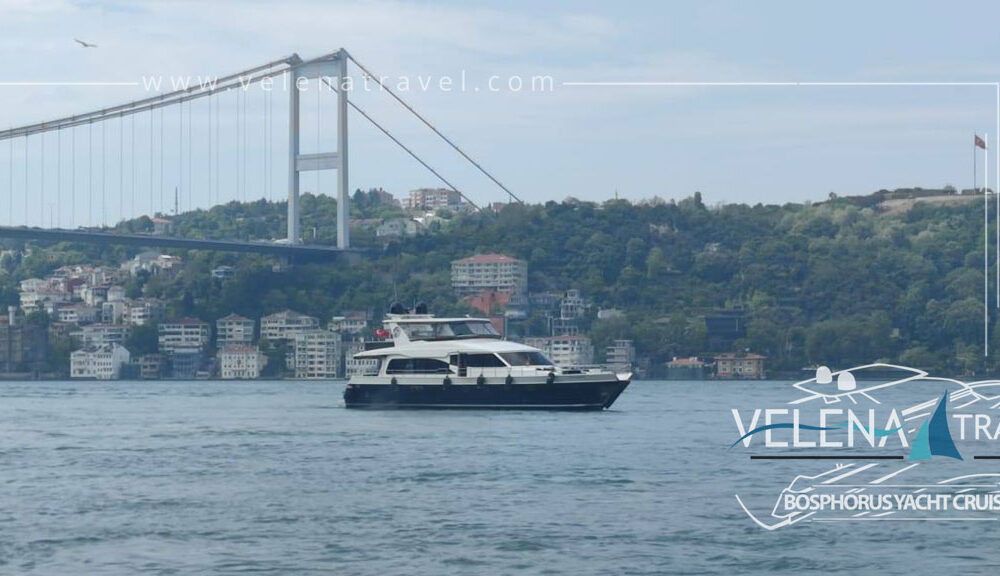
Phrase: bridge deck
x=150 y=240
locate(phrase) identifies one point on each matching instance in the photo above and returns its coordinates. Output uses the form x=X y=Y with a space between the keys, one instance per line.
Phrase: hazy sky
x=747 y=144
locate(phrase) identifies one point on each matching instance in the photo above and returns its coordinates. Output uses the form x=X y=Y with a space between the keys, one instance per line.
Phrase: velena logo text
x=779 y=433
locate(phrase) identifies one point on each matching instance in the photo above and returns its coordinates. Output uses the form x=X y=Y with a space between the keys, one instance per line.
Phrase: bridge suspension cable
x=121 y=168
x=435 y=130
x=405 y=148
x=246 y=77
x=41 y=188
x=72 y=214
x=131 y=208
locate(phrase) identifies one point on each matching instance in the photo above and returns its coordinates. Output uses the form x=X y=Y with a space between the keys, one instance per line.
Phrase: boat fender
x=509 y=380
x=481 y=380
x=394 y=382
x=447 y=381
x=550 y=378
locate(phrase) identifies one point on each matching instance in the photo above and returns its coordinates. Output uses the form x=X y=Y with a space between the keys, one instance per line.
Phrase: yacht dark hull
x=594 y=395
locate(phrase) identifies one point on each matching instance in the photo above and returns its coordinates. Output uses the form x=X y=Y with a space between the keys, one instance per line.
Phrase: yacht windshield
x=526 y=359
x=450 y=330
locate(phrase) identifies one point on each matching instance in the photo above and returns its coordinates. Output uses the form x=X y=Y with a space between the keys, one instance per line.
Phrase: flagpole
x=986 y=264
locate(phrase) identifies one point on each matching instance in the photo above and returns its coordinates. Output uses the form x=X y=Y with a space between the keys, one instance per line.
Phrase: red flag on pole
x=980 y=143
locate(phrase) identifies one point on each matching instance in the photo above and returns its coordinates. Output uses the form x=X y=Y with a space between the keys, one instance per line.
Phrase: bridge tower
x=322 y=69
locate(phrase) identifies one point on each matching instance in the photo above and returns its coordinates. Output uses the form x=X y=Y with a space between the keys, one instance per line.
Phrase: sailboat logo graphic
x=934 y=437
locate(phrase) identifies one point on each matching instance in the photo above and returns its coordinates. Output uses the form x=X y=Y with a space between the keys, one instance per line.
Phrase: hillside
x=834 y=283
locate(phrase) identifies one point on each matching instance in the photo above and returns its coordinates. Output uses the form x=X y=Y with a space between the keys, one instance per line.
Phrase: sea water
x=279 y=478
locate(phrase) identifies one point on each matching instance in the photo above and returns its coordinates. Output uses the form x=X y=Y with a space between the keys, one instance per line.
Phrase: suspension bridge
x=208 y=142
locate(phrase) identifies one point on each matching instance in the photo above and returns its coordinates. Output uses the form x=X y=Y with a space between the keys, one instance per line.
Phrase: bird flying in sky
x=85 y=44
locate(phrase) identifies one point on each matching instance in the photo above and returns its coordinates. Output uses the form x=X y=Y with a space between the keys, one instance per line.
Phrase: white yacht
x=464 y=363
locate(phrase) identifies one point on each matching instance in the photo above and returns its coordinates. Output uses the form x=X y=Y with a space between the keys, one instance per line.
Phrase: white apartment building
x=98 y=362
x=316 y=354
x=240 y=362
x=143 y=311
x=286 y=325
x=45 y=296
x=489 y=272
x=353 y=323
x=399 y=228
x=565 y=350
x=431 y=199
x=115 y=294
x=359 y=366
x=151 y=262
x=94 y=295
x=183 y=335
x=101 y=335
x=78 y=313
x=572 y=305
x=234 y=329
x=102 y=276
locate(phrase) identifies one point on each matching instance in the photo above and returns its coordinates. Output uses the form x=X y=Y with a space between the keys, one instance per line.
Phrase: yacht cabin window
x=477 y=361
x=449 y=330
x=417 y=366
x=526 y=359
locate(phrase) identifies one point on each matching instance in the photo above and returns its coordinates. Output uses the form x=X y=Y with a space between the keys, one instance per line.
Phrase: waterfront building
x=686 y=369
x=98 y=362
x=240 y=362
x=620 y=356
x=23 y=345
x=184 y=363
x=316 y=354
x=151 y=366
x=741 y=365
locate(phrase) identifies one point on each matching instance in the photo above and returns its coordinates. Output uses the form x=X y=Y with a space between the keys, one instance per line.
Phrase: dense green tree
x=142 y=340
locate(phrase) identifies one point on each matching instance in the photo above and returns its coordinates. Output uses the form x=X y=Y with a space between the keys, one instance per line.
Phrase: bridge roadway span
x=298 y=251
